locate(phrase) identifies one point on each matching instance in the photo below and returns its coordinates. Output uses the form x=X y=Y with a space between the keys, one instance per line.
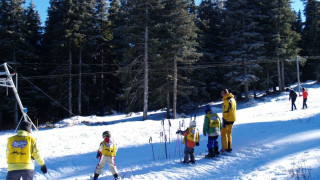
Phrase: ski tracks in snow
x=222 y=167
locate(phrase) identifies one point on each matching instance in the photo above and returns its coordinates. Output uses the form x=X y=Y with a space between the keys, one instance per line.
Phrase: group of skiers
x=22 y=148
x=213 y=127
x=293 y=97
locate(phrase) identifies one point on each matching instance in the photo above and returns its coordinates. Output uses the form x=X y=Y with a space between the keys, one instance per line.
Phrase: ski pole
x=164 y=136
x=195 y=129
x=175 y=149
x=165 y=145
x=164 y=142
x=161 y=134
x=150 y=141
x=169 y=136
x=180 y=140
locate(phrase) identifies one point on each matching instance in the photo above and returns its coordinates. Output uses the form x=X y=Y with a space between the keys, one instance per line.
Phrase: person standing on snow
x=211 y=126
x=106 y=154
x=229 y=108
x=305 y=97
x=191 y=139
x=293 y=97
x=21 y=150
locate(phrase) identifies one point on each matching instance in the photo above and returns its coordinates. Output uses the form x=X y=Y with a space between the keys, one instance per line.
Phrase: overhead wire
x=43 y=92
x=199 y=65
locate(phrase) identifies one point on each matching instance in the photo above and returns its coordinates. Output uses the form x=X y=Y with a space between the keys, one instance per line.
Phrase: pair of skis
x=163 y=137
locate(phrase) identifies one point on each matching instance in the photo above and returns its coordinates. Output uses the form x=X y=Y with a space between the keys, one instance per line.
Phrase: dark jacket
x=293 y=95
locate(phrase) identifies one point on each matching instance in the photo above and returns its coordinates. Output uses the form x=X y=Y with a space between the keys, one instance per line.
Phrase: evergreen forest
x=95 y=57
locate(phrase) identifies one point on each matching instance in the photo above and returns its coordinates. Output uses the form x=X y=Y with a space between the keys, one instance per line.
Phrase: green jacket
x=211 y=131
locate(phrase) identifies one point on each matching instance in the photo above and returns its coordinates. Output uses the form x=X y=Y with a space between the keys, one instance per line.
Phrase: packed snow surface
x=269 y=142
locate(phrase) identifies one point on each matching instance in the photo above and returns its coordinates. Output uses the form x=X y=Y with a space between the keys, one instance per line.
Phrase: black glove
x=204 y=133
x=98 y=155
x=197 y=144
x=44 y=169
x=178 y=132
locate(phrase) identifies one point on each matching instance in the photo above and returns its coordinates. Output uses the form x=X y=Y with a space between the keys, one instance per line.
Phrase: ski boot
x=185 y=162
x=216 y=151
x=210 y=154
x=95 y=177
x=116 y=176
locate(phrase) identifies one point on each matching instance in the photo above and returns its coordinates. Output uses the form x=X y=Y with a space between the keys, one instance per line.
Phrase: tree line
x=98 y=56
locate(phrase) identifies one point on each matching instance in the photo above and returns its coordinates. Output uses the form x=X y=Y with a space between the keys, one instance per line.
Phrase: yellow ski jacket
x=229 y=108
x=21 y=149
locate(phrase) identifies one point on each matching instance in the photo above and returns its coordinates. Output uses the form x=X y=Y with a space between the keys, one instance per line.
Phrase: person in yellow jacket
x=21 y=150
x=106 y=153
x=229 y=108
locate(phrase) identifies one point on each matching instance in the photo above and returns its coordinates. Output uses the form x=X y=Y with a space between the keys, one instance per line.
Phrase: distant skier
x=106 y=154
x=211 y=126
x=191 y=139
x=21 y=150
x=305 y=97
x=293 y=97
x=229 y=108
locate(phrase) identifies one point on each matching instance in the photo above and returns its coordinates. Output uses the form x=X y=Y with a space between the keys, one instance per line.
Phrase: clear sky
x=42 y=7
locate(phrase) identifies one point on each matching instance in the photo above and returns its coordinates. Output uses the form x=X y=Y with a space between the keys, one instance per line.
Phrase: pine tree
x=107 y=81
x=180 y=41
x=244 y=44
x=31 y=67
x=57 y=53
x=140 y=26
x=84 y=39
x=283 y=41
x=12 y=39
x=209 y=77
x=311 y=39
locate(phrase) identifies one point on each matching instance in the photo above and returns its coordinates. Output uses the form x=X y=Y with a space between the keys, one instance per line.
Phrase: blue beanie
x=207 y=108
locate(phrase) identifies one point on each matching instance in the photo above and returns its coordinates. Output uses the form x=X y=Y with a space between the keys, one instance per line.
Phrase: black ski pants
x=293 y=103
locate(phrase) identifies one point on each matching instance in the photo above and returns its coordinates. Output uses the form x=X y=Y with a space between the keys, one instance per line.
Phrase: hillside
x=269 y=142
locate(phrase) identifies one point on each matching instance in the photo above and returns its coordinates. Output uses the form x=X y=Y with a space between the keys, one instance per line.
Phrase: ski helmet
x=106 y=134
x=207 y=108
x=193 y=124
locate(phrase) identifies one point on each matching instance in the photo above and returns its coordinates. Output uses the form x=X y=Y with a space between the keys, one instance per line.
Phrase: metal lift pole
x=8 y=82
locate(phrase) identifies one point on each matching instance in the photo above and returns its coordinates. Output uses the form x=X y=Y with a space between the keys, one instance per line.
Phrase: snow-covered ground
x=269 y=142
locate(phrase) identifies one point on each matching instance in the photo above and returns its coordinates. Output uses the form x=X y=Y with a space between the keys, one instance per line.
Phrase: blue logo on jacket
x=19 y=144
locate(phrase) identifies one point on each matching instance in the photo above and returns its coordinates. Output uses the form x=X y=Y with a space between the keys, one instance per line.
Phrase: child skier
x=191 y=139
x=211 y=126
x=106 y=153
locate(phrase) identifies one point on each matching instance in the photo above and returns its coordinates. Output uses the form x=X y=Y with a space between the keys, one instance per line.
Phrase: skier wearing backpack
x=293 y=97
x=211 y=126
x=191 y=139
x=106 y=154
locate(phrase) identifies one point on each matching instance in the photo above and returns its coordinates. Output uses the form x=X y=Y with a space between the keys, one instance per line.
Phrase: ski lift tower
x=6 y=81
